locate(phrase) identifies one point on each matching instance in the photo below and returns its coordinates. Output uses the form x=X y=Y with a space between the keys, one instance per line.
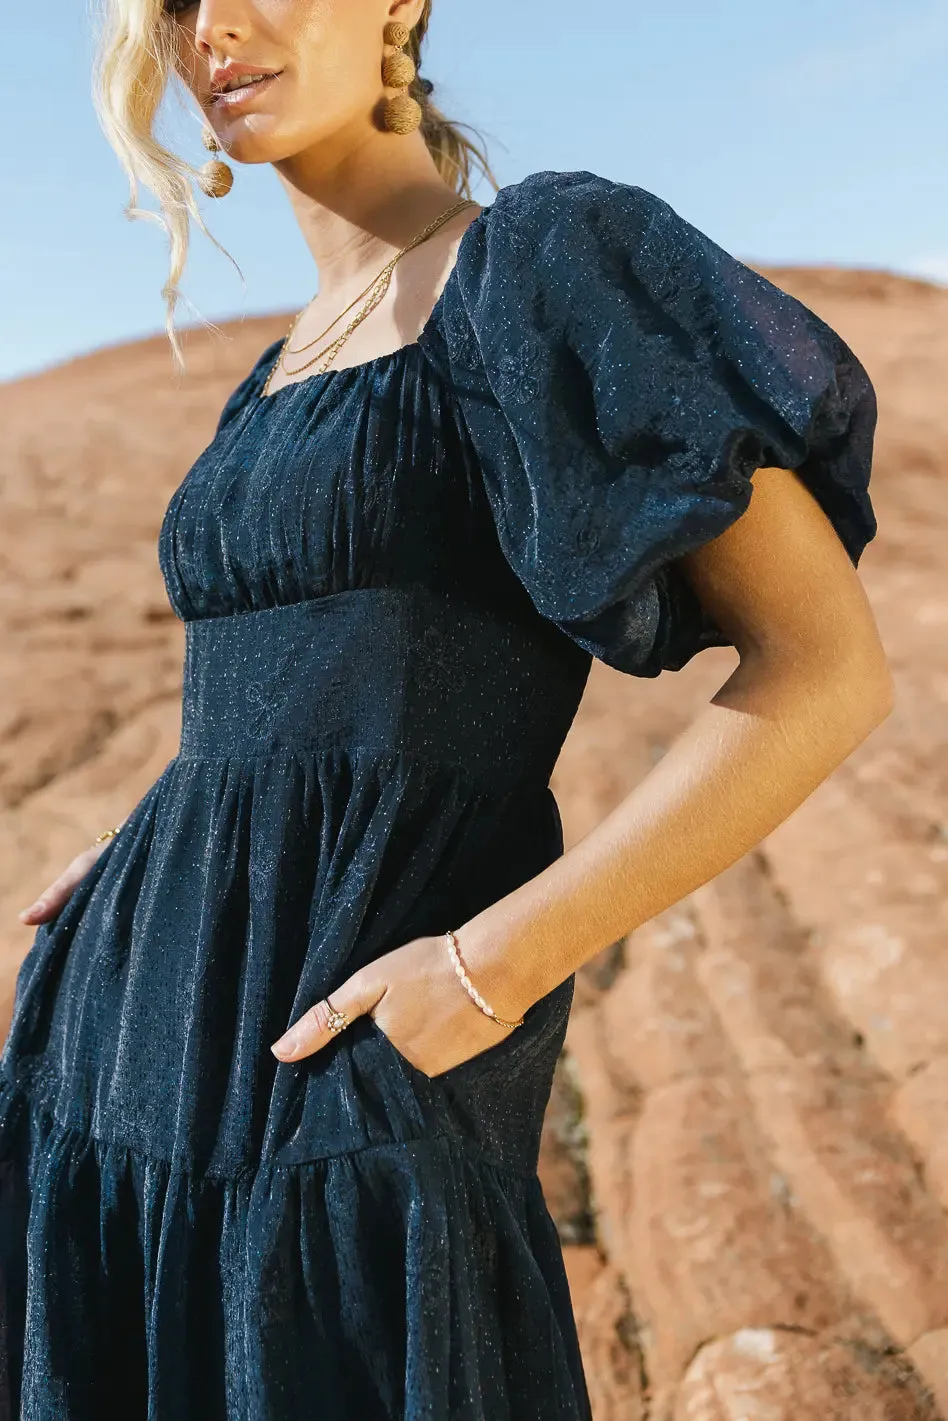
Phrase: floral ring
x=338 y=1021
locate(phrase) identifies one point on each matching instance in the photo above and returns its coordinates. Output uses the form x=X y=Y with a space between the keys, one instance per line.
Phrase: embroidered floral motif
x=516 y=376
x=265 y=701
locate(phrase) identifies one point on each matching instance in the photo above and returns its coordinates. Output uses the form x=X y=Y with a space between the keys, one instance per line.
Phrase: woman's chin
x=252 y=139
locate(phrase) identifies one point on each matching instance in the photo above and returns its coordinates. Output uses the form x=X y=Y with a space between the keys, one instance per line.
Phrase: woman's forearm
x=768 y=738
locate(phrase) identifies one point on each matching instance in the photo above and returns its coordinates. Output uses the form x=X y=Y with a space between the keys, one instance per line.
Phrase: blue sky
x=802 y=131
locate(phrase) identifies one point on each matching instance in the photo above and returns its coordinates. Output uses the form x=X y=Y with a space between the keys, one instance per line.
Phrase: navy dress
x=393 y=579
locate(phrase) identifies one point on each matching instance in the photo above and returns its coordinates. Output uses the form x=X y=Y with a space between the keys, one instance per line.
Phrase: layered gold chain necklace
x=372 y=295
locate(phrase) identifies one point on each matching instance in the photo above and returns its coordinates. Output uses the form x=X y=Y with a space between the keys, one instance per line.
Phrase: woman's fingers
x=52 y=898
x=312 y=1030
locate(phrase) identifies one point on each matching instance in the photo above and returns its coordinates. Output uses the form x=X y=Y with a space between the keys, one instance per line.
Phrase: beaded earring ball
x=215 y=179
x=401 y=114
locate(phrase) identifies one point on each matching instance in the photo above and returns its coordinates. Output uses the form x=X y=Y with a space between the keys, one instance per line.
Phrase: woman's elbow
x=845 y=686
x=864 y=682
x=873 y=683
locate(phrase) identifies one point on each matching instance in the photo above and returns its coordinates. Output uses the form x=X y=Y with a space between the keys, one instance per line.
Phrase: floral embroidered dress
x=393 y=580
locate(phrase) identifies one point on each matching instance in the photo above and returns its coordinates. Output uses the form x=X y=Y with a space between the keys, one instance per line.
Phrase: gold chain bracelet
x=452 y=940
x=107 y=834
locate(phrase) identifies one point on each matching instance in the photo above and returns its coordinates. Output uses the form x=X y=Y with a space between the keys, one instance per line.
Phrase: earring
x=401 y=114
x=215 y=179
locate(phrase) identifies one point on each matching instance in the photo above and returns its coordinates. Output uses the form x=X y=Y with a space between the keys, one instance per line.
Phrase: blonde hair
x=136 y=56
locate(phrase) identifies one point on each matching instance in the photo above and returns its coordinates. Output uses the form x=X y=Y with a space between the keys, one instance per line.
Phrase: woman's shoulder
x=550 y=193
x=547 y=213
x=558 y=237
x=249 y=385
x=576 y=212
x=601 y=264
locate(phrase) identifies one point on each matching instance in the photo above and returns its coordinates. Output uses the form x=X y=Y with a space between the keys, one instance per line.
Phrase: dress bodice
x=588 y=401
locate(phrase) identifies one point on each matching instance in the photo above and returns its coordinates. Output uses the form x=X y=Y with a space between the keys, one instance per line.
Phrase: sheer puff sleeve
x=621 y=377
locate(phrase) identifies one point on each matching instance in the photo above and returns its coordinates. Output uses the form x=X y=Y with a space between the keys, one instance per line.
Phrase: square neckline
x=374 y=361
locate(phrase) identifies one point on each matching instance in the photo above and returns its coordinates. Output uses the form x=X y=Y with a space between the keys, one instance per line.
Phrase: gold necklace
x=375 y=292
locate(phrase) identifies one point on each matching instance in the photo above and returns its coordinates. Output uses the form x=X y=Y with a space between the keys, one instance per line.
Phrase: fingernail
x=285 y=1048
x=33 y=908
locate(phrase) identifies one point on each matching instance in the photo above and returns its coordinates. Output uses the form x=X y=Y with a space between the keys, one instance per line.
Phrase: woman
x=271 y=1098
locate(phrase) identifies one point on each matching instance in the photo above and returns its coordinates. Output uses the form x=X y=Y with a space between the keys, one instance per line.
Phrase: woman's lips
x=244 y=94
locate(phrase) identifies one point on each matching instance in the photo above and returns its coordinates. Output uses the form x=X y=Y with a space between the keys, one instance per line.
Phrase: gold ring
x=338 y=1021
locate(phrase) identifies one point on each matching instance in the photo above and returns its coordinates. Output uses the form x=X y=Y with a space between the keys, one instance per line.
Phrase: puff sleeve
x=621 y=377
x=248 y=386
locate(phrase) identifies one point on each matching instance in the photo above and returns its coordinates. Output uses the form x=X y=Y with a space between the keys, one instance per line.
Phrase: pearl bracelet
x=468 y=985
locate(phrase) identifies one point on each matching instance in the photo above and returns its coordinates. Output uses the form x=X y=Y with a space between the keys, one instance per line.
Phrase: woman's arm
x=812 y=684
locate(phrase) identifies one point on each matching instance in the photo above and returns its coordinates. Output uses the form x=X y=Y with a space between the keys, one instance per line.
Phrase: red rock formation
x=745 y=1152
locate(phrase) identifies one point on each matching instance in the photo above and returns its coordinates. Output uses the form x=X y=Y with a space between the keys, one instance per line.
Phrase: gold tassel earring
x=215 y=179
x=401 y=114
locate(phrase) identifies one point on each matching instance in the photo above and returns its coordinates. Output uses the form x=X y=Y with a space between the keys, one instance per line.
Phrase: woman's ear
x=405 y=12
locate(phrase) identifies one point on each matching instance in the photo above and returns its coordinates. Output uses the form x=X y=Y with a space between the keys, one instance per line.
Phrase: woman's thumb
x=314 y=1028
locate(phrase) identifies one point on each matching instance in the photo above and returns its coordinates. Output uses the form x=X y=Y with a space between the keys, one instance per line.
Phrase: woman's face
x=328 y=54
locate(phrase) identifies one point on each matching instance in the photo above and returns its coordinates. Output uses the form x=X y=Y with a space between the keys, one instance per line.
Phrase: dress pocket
x=503 y=1053
x=482 y=1058
x=387 y=1044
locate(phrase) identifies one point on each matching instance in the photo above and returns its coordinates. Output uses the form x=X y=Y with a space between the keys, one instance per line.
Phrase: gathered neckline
x=374 y=361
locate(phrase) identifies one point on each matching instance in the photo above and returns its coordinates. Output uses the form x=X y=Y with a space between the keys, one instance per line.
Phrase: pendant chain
x=374 y=293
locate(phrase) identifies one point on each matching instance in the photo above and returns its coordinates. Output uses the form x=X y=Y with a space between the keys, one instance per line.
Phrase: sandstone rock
x=611 y=1356
x=920 y=1110
x=764 y=1375
x=745 y=1147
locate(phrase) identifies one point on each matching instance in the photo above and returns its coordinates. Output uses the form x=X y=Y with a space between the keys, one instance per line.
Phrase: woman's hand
x=414 y=996
x=52 y=898
x=46 y=906
x=8 y=980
